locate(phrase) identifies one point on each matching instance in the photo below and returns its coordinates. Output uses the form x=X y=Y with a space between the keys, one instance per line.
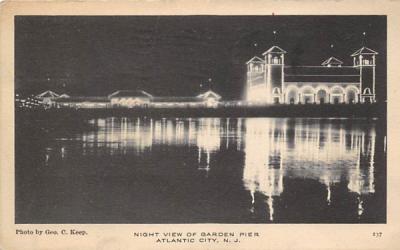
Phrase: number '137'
x=377 y=234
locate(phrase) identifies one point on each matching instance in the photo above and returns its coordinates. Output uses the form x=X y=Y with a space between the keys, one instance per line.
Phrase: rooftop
x=83 y=99
x=274 y=50
x=332 y=61
x=209 y=94
x=255 y=59
x=177 y=99
x=48 y=94
x=130 y=93
x=364 y=51
x=321 y=74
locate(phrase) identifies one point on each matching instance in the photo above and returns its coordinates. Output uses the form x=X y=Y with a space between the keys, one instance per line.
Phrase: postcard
x=199 y=125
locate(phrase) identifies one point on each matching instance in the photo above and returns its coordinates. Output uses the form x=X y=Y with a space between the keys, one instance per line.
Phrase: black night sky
x=174 y=55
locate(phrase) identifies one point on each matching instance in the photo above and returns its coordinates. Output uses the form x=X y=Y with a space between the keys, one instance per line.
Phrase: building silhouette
x=269 y=80
x=128 y=99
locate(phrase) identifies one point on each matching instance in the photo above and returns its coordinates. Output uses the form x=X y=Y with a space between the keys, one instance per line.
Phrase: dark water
x=204 y=170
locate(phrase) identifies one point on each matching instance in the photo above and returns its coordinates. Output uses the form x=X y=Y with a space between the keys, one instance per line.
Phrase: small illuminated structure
x=47 y=97
x=210 y=98
x=207 y=99
x=269 y=80
x=130 y=98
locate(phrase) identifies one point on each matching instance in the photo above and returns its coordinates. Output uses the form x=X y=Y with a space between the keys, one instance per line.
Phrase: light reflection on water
x=273 y=149
x=325 y=155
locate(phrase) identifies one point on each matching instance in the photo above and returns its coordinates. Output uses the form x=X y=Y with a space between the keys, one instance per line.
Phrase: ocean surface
x=203 y=170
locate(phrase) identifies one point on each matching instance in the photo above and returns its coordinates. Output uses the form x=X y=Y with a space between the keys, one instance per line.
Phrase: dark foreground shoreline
x=311 y=110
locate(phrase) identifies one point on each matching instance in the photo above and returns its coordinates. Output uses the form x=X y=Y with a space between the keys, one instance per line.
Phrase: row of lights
x=27 y=102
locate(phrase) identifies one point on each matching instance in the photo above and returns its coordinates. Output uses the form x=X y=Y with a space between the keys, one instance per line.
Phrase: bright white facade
x=269 y=80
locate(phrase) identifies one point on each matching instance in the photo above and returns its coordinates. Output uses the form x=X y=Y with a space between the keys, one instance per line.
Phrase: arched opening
x=336 y=100
x=367 y=95
x=351 y=95
x=307 y=94
x=322 y=96
x=276 y=95
x=337 y=95
x=292 y=95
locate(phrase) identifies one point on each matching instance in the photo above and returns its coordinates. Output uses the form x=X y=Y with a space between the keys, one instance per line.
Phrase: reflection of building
x=323 y=152
x=138 y=134
x=276 y=151
x=270 y=81
x=208 y=140
x=129 y=99
x=261 y=173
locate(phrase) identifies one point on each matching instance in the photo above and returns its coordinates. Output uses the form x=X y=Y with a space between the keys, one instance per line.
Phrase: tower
x=256 y=84
x=274 y=64
x=364 y=59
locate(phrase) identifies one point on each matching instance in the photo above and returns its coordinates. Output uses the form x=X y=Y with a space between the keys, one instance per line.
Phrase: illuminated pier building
x=129 y=99
x=269 y=80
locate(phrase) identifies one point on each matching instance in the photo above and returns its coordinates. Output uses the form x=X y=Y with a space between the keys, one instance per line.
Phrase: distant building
x=82 y=102
x=206 y=99
x=129 y=99
x=270 y=81
x=47 y=97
